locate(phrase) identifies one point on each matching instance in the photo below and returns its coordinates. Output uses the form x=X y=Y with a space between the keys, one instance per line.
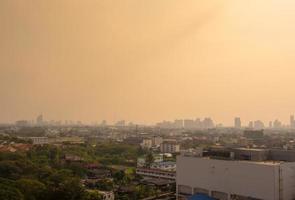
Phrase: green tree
x=149 y=159
x=92 y=195
x=31 y=189
x=9 y=191
x=119 y=177
x=10 y=170
x=63 y=185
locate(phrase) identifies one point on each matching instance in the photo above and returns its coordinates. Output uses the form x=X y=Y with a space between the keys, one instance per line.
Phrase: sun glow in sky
x=146 y=61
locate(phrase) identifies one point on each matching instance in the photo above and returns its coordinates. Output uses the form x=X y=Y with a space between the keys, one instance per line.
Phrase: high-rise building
x=270 y=124
x=120 y=123
x=238 y=123
x=292 y=121
x=198 y=123
x=39 y=120
x=277 y=124
x=208 y=123
x=178 y=123
x=258 y=124
x=103 y=123
x=169 y=147
x=189 y=124
x=250 y=124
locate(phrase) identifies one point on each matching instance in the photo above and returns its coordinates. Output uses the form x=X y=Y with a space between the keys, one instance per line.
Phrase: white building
x=147 y=143
x=169 y=147
x=235 y=180
x=156 y=173
x=40 y=140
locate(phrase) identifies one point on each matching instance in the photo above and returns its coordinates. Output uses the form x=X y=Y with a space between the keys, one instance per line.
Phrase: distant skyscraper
x=292 y=121
x=39 y=120
x=178 y=123
x=189 y=124
x=120 y=123
x=258 y=125
x=250 y=124
x=198 y=123
x=238 y=123
x=270 y=124
x=103 y=123
x=277 y=124
x=208 y=123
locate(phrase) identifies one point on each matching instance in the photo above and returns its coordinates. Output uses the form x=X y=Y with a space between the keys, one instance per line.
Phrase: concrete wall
x=288 y=180
x=249 y=179
x=283 y=155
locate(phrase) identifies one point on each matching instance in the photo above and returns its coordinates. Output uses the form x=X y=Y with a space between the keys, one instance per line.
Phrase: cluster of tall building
x=188 y=124
x=41 y=122
x=258 y=124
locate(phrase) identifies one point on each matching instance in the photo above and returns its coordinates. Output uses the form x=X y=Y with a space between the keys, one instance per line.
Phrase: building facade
x=169 y=147
x=235 y=180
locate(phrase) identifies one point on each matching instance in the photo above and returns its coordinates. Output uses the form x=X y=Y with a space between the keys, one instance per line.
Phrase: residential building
x=170 y=147
x=147 y=143
x=157 y=141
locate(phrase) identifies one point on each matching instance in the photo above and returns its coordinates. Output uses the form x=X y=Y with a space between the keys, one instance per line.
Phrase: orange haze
x=147 y=60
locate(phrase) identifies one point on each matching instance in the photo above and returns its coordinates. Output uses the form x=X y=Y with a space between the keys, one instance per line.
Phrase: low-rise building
x=235 y=179
x=168 y=166
x=141 y=161
x=40 y=140
x=156 y=173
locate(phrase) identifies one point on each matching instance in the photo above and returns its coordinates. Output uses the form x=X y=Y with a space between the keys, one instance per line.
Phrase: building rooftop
x=251 y=149
x=268 y=162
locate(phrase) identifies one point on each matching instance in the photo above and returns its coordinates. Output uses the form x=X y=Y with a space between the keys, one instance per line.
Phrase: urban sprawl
x=192 y=159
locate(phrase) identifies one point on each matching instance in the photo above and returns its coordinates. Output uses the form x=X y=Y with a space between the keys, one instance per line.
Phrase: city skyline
x=196 y=122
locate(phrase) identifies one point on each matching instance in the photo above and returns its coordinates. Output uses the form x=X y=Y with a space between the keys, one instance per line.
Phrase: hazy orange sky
x=147 y=60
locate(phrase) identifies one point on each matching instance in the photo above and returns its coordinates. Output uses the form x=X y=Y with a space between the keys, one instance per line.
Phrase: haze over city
x=146 y=61
x=147 y=100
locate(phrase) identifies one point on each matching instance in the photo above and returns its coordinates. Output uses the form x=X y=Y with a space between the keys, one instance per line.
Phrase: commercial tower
x=238 y=123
